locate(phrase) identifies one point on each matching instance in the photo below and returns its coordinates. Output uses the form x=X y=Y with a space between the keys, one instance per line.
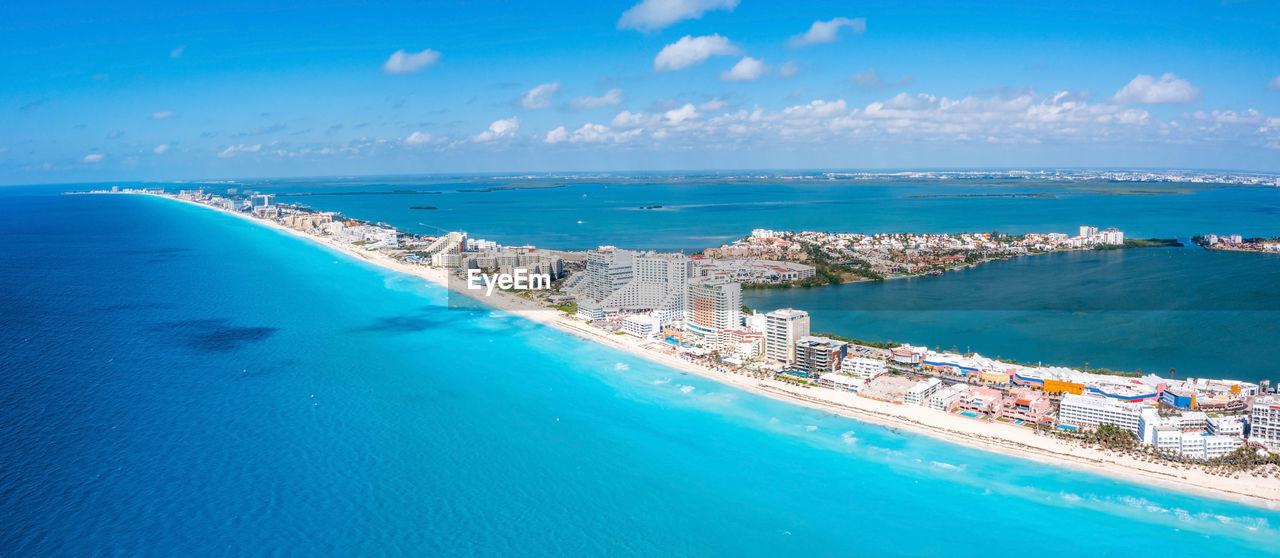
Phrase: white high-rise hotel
x=616 y=280
x=607 y=270
x=1083 y=411
x=782 y=329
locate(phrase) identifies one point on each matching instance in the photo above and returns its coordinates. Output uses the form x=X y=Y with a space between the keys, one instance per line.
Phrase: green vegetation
x=1245 y=458
x=825 y=273
x=1110 y=436
x=1143 y=243
x=875 y=344
x=360 y=242
x=1151 y=243
x=1109 y=372
x=570 y=307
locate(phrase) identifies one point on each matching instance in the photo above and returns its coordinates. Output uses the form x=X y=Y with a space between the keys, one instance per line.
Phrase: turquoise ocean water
x=179 y=382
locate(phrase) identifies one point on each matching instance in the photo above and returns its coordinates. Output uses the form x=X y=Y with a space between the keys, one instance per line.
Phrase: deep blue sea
x=176 y=382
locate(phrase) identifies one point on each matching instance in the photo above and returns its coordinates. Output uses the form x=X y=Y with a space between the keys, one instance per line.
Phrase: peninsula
x=1185 y=435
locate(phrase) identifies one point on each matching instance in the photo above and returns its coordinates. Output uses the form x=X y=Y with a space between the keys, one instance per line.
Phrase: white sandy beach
x=992 y=436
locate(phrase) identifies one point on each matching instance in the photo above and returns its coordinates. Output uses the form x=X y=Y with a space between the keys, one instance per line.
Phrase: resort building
x=750 y=270
x=1207 y=446
x=980 y=401
x=1169 y=437
x=920 y=392
x=642 y=325
x=841 y=382
x=947 y=398
x=450 y=243
x=1082 y=411
x=1026 y=405
x=908 y=355
x=621 y=281
x=606 y=270
x=590 y=311
x=712 y=310
x=657 y=284
x=782 y=329
x=747 y=345
x=863 y=366
x=819 y=355
x=1232 y=425
x=1264 y=422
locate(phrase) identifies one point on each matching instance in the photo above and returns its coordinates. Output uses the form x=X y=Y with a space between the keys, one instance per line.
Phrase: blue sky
x=98 y=91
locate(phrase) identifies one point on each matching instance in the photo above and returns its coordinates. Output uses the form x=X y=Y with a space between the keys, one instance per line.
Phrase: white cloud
x=233 y=150
x=827 y=31
x=1146 y=89
x=713 y=105
x=1026 y=118
x=419 y=138
x=747 y=69
x=691 y=50
x=177 y=52
x=610 y=98
x=590 y=133
x=540 y=97
x=676 y=116
x=1274 y=84
x=160 y=149
x=499 y=129
x=652 y=15
x=788 y=69
x=1022 y=117
x=94 y=158
x=628 y=119
x=557 y=135
x=871 y=80
x=402 y=62
x=161 y=115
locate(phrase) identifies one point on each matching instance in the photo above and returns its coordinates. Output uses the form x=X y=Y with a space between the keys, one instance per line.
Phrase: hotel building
x=863 y=366
x=1083 y=411
x=819 y=355
x=920 y=393
x=711 y=310
x=1264 y=421
x=782 y=329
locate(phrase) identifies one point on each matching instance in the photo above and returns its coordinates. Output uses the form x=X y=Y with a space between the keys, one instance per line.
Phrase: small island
x=1237 y=243
x=426 y=207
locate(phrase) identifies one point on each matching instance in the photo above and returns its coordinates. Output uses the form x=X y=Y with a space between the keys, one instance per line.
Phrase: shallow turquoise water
x=179 y=382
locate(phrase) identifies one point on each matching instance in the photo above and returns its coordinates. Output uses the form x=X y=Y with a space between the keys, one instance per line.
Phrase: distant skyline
x=95 y=91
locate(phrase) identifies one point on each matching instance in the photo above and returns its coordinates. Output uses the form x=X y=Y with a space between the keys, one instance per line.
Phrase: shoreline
x=988 y=436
